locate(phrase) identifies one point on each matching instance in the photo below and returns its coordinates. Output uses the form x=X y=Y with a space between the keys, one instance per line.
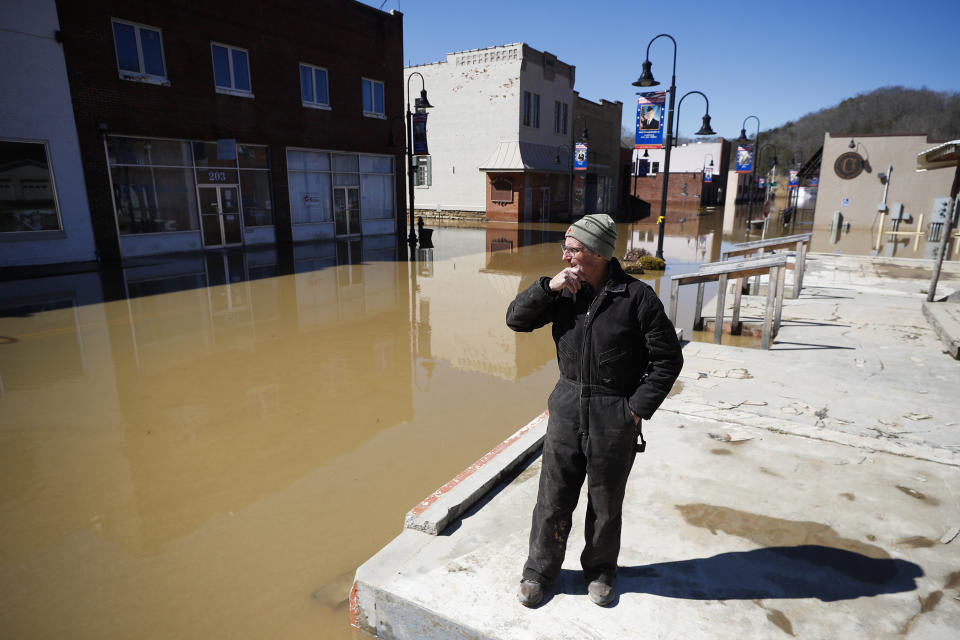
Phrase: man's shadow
x=804 y=571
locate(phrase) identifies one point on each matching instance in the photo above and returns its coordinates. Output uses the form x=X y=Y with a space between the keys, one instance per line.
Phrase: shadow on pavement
x=805 y=571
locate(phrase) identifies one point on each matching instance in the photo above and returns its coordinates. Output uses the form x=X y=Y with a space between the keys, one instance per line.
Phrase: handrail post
x=674 y=294
x=781 y=283
x=718 y=317
x=697 y=319
x=769 y=310
x=736 y=327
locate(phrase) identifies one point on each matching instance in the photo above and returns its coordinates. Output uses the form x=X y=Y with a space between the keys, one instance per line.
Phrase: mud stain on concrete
x=777 y=617
x=953 y=581
x=721 y=452
x=773 y=532
x=927 y=605
x=677 y=388
x=848 y=496
x=770 y=473
x=913 y=493
x=916 y=542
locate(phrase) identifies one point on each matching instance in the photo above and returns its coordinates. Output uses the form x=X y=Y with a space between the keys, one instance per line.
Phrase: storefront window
x=313 y=175
x=310 y=199
x=376 y=196
x=255 y=195
x=27 y=195
x=154 y=199
x=155 y=182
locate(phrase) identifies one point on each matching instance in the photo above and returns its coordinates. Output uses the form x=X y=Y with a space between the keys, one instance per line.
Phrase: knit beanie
x=597 y=232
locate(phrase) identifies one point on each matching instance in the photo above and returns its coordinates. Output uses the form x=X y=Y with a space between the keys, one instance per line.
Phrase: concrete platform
x=812 y=490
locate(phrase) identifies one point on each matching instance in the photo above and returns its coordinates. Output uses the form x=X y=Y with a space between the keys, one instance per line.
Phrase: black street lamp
x=753 y=169
x=646 y=80
x=705 y=129
x=421 y=104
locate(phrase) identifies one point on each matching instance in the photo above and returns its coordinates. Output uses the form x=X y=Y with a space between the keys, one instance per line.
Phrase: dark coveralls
x=618 y=353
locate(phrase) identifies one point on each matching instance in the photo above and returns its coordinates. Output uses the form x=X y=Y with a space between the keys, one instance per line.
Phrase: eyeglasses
x=571 y=250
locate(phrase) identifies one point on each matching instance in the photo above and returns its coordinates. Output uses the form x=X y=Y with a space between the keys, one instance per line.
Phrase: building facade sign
x=848 y=166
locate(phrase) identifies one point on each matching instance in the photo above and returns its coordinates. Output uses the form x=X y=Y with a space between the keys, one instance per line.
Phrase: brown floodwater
x=208 y=446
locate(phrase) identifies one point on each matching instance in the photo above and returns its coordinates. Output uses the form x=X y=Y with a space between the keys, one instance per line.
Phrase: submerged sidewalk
x=811 y=490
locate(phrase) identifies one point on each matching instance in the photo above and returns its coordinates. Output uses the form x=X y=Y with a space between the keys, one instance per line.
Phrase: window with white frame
x=536 y=111
x=314 y=90
x=139 y=50
x=526 y=109
x=231 y=69
x=372 y=98
x=424 y=174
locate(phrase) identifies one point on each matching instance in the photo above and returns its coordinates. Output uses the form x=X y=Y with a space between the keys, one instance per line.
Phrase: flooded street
x=214 y=450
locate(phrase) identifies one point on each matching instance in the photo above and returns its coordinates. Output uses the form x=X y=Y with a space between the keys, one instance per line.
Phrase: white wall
x=35 y=105
x=687 y=158
x=477 y=100
x=476 y=105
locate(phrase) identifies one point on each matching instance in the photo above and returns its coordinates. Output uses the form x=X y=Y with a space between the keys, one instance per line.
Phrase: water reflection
x=209 y=445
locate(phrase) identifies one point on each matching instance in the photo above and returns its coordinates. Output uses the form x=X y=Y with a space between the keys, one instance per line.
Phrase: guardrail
x=721 y=272
x=757 y=248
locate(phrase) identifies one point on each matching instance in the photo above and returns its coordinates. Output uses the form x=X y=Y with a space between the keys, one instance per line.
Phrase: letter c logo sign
x=848 y=165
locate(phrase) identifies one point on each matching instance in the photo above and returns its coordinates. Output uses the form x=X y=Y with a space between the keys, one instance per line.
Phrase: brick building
x=595 y=188
x=691 y=165
x=214 y=124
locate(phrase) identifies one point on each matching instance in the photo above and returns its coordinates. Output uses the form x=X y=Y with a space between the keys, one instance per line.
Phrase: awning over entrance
x=528 y=156
x=942 y=155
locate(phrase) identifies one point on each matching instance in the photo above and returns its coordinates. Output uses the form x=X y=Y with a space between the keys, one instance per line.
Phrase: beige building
x=873 y=179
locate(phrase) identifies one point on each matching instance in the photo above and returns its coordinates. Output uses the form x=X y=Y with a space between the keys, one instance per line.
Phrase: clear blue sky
x=776 y=60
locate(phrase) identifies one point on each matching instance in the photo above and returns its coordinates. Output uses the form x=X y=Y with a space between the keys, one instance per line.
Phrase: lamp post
x=646 y=80
x=703 y=179
x=766 y=189
x=753 y=169
x=705 y=129
x=420 y=104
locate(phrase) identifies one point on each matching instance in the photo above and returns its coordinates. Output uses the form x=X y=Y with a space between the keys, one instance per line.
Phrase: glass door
x=230 y=215
x=346 y=210
x=220 y=216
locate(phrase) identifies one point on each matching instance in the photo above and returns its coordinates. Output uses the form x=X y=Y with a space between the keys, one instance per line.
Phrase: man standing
x=618 y=355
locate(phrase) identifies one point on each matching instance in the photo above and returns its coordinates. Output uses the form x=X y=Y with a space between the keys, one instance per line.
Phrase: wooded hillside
x=885 y=110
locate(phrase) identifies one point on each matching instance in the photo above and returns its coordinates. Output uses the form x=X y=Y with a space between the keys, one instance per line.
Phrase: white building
x=499 y=133
x=44 y=215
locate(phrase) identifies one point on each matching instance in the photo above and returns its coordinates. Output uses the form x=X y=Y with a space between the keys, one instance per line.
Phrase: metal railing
x=722 y=272
x=757 y=248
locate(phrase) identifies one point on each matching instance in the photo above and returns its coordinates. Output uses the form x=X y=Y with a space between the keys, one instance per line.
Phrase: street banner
x=650 y=120
x=420 y=134
x=763 y=182
x=794 y=179
x=745 y=158
x=813 y=182
x=708 y=174
x=580 y=157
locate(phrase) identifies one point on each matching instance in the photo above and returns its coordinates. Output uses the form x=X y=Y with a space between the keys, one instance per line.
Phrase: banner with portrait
x=794 y=179
x=708 y=174
x=650 y=120
x=420 y=134
x=745 y=158
x=580 y=157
